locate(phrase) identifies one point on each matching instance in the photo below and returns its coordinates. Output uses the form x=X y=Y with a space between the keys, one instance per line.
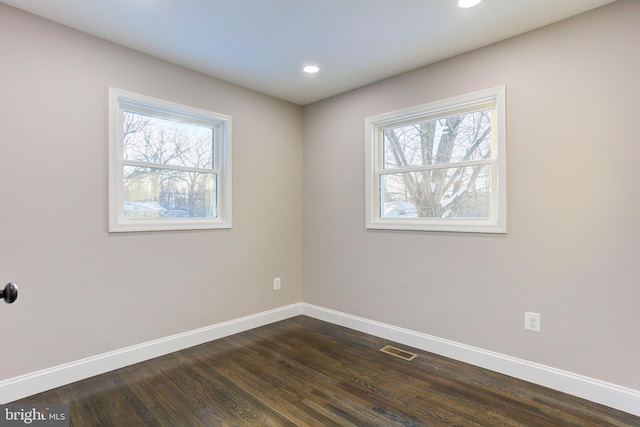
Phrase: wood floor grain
x=305 y=372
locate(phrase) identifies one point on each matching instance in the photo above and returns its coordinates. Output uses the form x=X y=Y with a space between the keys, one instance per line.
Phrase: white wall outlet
x=532 y=321
x=276 y=283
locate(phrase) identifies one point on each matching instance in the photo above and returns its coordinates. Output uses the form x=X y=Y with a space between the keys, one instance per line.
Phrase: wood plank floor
x=305 y=372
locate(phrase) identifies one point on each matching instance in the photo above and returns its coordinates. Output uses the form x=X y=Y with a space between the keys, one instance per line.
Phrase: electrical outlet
x=276 y=283
x=532 y=321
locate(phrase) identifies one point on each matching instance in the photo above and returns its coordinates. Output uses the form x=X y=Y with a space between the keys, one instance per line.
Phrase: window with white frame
x=439 y=166
x=169 y=165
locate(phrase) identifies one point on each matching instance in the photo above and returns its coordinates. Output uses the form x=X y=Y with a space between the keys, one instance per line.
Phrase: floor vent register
x=405 y=355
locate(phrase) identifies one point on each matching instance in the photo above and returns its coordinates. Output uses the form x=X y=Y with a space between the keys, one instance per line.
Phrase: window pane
x=166 y=142
x=438 y=193
x=450 y=139
x=165 y=193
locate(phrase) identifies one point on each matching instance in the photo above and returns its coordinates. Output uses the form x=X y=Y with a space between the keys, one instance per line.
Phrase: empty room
x=330 y=213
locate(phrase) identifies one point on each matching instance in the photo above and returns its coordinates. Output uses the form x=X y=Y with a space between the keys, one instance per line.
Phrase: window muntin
x=170 y=165
x=439 y=166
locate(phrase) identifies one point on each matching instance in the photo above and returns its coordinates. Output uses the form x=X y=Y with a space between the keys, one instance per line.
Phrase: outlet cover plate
x=532 y=321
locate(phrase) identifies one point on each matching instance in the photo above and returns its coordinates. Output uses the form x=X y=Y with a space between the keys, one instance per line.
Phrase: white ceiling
x=263 y=44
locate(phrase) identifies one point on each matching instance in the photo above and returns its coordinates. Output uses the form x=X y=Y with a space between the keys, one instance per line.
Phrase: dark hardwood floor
x=304 y=372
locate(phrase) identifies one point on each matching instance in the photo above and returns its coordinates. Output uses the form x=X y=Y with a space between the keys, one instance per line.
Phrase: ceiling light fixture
x=465 y=4
x=311 y=69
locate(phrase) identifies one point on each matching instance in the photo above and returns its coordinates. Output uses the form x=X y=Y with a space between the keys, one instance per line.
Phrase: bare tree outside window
x=170 y=165
x=167 y=168
x=428 y=183
x=439 y=166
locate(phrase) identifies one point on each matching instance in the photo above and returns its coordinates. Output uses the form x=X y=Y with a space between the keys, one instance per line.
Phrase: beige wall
x=570 y=254
x=572 y=249
x=83 y=291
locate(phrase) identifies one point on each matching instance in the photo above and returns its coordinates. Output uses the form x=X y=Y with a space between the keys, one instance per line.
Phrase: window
x=169 y=165
x=439 y=166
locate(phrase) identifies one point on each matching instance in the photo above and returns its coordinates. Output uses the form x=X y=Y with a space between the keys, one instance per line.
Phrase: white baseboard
x=612 y=395
x=46 y=379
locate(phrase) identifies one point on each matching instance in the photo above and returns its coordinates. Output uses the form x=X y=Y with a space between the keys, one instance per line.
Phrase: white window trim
x=168 y=110
x=497 y=223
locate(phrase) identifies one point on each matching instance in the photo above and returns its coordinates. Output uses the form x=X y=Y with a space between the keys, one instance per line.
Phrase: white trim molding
x=612 y=395
x=123 y=104
x=486 y=109
x=46 y=379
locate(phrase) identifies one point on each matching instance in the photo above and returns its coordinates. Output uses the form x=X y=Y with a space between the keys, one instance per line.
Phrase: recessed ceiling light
x=465 y=4
x=311 y=69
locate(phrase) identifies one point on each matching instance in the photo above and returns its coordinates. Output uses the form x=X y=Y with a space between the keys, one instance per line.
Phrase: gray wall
x=570 y=254
x=83 y=291
x=572 y=249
